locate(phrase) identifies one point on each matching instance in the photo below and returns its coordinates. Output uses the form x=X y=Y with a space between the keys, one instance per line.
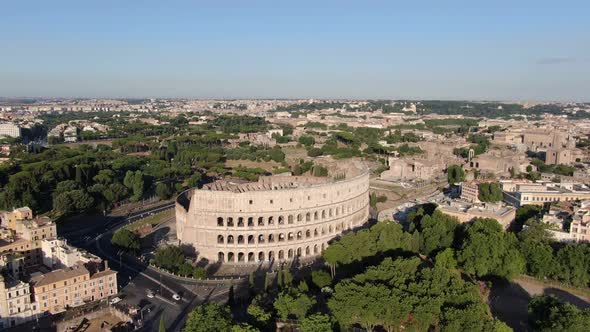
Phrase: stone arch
x=281 y=220
x=271 y=256
x=220 y=222
x=230 y=239
x=323 y=230
x=261 y=256
x=240 y=257
x=315 y=232
x=315 y=249
x=290 y=253
x=308 y=217
x=330 y=213
x=220 y=239
x=290 y=236
x=281 y=237
x=250 y=257
x=281 y=254
x=299 y=235
x=323 y=214
x=250 y=239
x=240 y=221
x=330 y=229
x=307 y=251
x=231 y=257
x=230 y=222
x=221 y=257
x=240 y=239
x=298 y=252
x=261 y=238
x=299 y=217
x=271 y=221
x=250 y=222
x=260 y=221
x=316 y=215
x=290 y=219
x=307 y=234
x=271 y=238
x=323 y=247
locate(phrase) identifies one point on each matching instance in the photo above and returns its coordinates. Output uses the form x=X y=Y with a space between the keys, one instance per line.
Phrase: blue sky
x=496 y=50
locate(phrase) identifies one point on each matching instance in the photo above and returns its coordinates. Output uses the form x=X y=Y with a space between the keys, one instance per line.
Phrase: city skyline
x=532 y=51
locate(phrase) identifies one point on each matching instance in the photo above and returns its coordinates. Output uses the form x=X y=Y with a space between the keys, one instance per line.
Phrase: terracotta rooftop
x=59 y=275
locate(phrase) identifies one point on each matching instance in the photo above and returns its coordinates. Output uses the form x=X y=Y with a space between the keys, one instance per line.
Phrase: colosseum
x=277 y=218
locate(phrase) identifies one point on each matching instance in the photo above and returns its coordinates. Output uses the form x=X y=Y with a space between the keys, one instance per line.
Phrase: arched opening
x=323 y=230
x=221 y=257
x=250 y=239
x=299 y=217
x=299 y=235
x=240 y=239
x=315 y=215
x=220 y=239
x=271 y=221
x=260 y=221
x=315 y=249
x=330 y=229
x=261 y=256
x=330 y=212
x=250 y=222
x=298 y=252
x=241 y=222
x=323 y=247
x=250 y=257
x=281 y=254
x=308 y=216
x=290 y=254
x=307 y=234
x=323 y=214
x=281 y=237
x=290 y=219
x=336 y=210
x=307 y=251
x=261 y=238
x=271 y=238
x=240 y=257
x=230 y=239
x=230 y=257
x=281 y=220
x=230 y=222
x=271 y=256
x=290 y=237
x=220 y=222
x=315 y=232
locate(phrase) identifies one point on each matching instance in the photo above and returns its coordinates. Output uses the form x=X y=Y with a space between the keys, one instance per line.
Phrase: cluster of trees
x=546 y=313
x=253 y=153
x=555 y=169
x=173 y=259
x=480 y=145
x=490 y=192
x=455 y=174
x=398 y=137
x=238 y=124
x=126 y=239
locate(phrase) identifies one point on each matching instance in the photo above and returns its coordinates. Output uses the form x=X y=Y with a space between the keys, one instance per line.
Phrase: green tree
x=244 y=327
x=316 y=323
x=163 y=191
x=490 y=192
x=307 y=140
x=72 y=201
x=455 y=174
x=126 y=239
x=207 y=318
x=488 y=251
x=547 y=314
x=321 y=278
x=293 y=304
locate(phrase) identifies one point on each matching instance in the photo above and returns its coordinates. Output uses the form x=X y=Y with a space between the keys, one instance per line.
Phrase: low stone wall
x=77 y=321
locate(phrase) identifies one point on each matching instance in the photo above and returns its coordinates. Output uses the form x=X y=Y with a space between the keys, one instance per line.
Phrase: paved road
x=135 y=278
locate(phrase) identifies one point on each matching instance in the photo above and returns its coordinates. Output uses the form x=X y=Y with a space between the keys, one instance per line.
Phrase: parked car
x=150 y=294
x=115 y=300
x=176 y=297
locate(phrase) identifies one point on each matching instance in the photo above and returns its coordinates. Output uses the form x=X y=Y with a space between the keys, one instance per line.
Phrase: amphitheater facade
x=278 y=218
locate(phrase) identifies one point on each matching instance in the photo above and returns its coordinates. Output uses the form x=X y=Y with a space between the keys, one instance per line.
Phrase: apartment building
x=16 y=306
x=470 y=191
x=9 y=130
x=468 y=212
x=25 y=237
x=57 y=253
x=60 y=289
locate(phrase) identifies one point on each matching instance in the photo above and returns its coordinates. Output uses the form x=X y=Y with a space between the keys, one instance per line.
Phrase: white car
x=150 y=294
x=176 y=297
x=115 y=300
